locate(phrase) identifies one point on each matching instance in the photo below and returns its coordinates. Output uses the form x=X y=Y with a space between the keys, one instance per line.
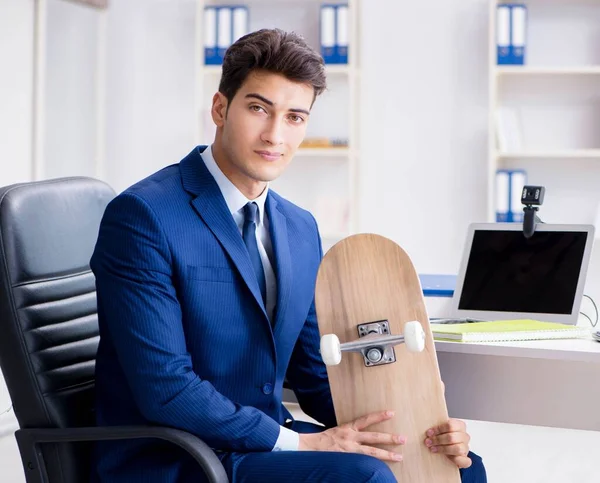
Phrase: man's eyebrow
x=304 y=111
x=271 y=103
x=261 y=98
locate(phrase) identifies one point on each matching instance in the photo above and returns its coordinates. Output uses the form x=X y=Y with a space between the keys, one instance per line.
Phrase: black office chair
x=49 y=330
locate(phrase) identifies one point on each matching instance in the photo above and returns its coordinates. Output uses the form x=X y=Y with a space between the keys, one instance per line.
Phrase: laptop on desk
x=505 y=276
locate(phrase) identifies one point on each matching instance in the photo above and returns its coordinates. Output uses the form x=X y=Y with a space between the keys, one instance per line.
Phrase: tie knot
x=250 y=212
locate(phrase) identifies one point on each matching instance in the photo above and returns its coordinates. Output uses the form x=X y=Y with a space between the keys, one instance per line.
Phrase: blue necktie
x=249 y=235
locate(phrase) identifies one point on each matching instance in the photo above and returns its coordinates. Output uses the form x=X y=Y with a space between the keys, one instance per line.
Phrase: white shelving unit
x=573 y=154
x=321 y=180
x=554 y=105
x=323 y=152
x=504 y=70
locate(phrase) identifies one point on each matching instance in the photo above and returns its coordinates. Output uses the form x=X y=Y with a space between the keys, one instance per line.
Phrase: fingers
x=453 y=425
x=344 y=440
x=448 y=439
x=360 y=441
x=371 y=419
x=460 y=449
x=380 y=454
x=379 y=438
x=461 y=461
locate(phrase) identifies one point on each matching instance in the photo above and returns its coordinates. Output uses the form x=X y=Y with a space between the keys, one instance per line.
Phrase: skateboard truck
x=375 y=343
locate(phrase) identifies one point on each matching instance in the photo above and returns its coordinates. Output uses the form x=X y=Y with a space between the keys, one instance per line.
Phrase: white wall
x=16 y=89
x=150 y=87
x=16 y=134
x=423 y=113
x=424 y=125
x=70 y=90
x=424 y=131
x=423 y=143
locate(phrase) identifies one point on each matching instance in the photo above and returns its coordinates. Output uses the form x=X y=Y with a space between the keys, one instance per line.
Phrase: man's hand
x=350 y=438
x=450 y=439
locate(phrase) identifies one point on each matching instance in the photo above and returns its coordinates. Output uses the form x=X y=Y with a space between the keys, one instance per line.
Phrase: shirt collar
x=234 y=198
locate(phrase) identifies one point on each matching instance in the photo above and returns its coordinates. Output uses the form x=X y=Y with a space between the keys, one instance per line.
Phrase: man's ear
x=219 y=109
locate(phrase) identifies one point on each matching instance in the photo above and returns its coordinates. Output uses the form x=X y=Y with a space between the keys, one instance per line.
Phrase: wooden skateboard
x=370 y=305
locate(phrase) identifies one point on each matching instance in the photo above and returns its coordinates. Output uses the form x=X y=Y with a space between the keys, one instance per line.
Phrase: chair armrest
x=198 y=449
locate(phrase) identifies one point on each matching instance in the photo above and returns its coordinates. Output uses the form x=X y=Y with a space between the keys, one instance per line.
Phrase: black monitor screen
x=507 y=272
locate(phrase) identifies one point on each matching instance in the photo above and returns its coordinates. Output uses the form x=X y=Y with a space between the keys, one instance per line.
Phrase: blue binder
x=240 y=22
x=224 y=31
x=502 y=195
x=518 y=180
x=503 y=34
x=210 y=36
x=438 y=285
x=342 y=28
x=223 y=25
x=518 y=33
x=328 y=34
x=509 y=186
x=511 y=33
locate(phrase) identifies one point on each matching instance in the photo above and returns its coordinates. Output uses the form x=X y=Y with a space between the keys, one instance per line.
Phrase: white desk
x=554 y=383
x=542 y=383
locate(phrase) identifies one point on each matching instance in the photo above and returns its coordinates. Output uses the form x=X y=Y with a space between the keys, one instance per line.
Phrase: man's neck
x=250 y=188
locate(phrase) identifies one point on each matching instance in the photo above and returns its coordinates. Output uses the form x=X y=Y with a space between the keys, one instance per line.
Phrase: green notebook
x=506 y=330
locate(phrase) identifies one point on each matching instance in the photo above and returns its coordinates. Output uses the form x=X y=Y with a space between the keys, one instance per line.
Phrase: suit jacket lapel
x=283 y=264
x=210 y=205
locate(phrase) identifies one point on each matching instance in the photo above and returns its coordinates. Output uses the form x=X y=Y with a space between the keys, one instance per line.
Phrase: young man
x=205 y=286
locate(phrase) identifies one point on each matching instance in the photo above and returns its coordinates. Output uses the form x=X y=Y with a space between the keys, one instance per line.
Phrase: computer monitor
x=504 y=275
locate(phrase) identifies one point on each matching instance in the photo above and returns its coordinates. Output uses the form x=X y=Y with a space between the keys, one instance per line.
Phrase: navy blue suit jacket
x=184 y=337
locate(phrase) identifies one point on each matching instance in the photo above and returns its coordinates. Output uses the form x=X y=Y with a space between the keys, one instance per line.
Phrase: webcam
x=533 y=195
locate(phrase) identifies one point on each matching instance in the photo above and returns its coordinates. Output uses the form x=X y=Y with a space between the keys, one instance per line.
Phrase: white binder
x=328 y=34
x=518 y=34
x=518 y=180
x=240 y=22
x=224 y=31
x=502 y=199
x=503 y=34
x=342 y=34
x=210 y=36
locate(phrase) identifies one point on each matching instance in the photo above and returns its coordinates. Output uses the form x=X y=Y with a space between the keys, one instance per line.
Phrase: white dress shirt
x=288 y=440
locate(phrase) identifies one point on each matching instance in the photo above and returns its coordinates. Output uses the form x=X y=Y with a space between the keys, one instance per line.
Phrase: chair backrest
x=48 y=322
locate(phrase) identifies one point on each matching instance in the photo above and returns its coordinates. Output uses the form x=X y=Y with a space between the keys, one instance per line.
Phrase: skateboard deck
x=365 y=279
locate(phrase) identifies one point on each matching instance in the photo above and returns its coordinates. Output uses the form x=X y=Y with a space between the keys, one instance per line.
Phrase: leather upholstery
x=48 y=322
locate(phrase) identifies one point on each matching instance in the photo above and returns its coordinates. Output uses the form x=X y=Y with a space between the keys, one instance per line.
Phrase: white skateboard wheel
x=330 y=350
x=414 y=336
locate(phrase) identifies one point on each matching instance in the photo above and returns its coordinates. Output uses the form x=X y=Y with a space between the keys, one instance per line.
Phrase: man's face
x=262 y=127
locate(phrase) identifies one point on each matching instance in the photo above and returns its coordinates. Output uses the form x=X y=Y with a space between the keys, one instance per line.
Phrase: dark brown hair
x=272 y=50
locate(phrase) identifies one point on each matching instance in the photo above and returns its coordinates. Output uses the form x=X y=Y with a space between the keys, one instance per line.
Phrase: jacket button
x=267 y=388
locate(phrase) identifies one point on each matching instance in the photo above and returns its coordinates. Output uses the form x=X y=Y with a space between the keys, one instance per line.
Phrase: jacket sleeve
x=139 y=309
x=307 y=373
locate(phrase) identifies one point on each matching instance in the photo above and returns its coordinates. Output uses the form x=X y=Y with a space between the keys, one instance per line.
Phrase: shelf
x=532 y=70
x=212 y=69
x=338 y=69
x=570 y=154
x=329 y=68
x=323 y=152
